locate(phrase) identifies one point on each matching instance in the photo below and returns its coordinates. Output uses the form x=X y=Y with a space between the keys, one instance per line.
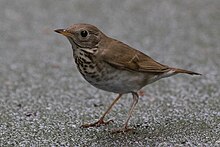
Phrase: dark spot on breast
x=86 y=71
x=91 y=73
x=97 y=79
x=90 y=57
x=76 y=60
x=93 y=76
x=80 y=62
x=91 y=66
x=83 y=59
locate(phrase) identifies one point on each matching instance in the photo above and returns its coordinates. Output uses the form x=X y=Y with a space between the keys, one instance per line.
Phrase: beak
x=63 y=32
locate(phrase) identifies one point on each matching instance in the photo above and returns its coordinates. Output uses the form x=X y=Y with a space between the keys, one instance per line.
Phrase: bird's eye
x=84 y=33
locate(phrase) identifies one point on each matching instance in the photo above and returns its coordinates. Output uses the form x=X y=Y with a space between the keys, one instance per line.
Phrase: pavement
x=44 y=99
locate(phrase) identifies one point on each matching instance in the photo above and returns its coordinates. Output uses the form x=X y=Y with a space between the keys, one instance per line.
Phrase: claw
x=97 y=124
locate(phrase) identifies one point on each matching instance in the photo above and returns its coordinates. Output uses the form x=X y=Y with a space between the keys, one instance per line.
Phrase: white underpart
x=164 y=75
x=124 y=82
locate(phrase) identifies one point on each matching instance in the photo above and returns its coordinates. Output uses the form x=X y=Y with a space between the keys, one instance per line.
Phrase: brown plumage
x=113 y=66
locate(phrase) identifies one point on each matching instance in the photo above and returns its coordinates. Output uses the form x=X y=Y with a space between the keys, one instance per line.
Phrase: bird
x=113 y=66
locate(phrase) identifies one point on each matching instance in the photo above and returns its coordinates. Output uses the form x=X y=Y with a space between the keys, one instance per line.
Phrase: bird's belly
x=118 y=81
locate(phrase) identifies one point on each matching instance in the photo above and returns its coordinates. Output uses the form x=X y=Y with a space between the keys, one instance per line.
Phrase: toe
x=97 y=124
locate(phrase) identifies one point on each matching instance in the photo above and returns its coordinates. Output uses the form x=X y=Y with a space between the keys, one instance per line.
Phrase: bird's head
x=82 y=35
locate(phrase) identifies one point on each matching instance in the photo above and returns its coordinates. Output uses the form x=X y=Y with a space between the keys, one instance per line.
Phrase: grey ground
x=44 y=100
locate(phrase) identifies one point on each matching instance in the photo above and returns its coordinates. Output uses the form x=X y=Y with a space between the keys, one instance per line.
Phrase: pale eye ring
x=84 y=33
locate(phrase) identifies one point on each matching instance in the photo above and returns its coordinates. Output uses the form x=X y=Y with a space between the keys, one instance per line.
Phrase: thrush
x=113 y=66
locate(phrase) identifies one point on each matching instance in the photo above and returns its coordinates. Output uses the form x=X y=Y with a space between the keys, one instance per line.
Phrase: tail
x=177 y=70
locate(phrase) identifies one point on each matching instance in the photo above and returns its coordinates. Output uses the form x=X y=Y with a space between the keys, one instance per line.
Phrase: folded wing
x=122 y=56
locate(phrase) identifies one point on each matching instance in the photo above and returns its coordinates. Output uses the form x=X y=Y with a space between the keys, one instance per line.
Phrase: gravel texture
x=44 y=100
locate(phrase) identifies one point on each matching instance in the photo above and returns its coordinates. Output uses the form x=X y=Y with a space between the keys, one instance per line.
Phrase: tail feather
x=177 y=70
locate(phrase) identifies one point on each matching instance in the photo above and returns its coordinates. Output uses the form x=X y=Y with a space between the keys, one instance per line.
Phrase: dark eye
x=84 y=33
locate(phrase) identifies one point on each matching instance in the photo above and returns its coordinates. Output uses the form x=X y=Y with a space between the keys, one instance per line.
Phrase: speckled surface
x=44 y=100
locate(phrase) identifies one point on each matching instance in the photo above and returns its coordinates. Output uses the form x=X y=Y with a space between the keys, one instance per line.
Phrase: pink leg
x=101 y=120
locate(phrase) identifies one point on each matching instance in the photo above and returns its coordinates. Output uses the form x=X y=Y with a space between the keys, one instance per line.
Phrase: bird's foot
x=97 y=124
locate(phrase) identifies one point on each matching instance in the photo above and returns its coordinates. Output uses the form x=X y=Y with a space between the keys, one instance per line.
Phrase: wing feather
x=122 y=56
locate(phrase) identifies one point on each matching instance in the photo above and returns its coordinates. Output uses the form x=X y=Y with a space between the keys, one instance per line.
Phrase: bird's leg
x=125 y=128
x=101 y=120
